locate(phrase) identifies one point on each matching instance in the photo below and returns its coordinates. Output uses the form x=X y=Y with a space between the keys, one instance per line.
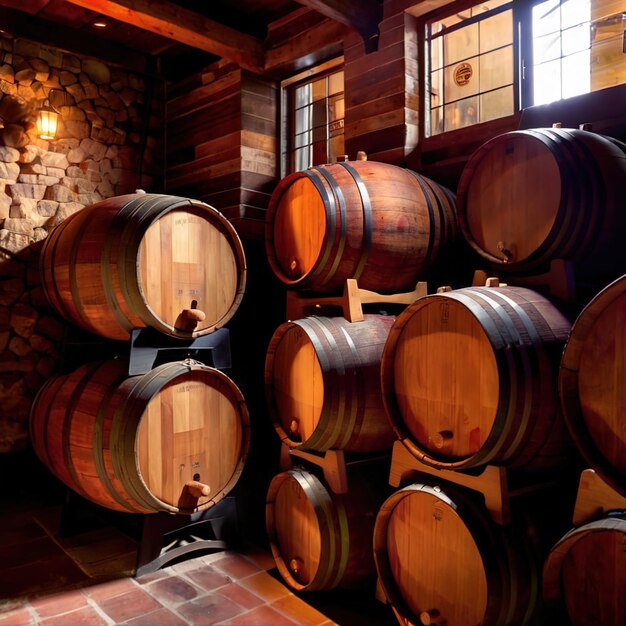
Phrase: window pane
x=575 y=12
x=546 y=18
x=302 y=139
x=436 y=121
x=547 y=48
x=303 y=119
x=575 y=39
x=335 y=83
x=319 y=89
x=436 y=54
x=576 y=78
x=496 y=69
x=461 y=80
x=302 y=159
x=303 y=96
x=436 y=89
x=496 y=31
x=336 y=108
x=608 y=61
x=461 y=114
x=496 y=104
x=336 y=148
x=547 y=82
x=460 y=44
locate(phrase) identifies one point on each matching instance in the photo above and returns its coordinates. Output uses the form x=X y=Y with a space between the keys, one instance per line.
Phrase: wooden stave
x=112 y=424
x=510 y=561
x=345 y=523
x=555 y=592
x=569 y=395
x=585 y=228
x=350 y=407
x=122 y=222
x=502 y=446
x=347 y=196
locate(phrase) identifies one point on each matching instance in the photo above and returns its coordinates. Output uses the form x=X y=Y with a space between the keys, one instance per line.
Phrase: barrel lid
x=297 y=533
x=585 y=573
x=190 y=259
x=193 y=431
x=435 y=563
x=299 y=228
x=445 y=378
x=591 y=382
x=298 y=384
x=510 y=195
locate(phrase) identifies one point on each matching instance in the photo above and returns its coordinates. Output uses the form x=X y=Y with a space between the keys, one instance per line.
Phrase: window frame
x=287 y=117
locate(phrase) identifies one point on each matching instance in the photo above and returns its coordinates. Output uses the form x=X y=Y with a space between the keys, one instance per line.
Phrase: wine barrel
x=174 y=439
x=321 y=540
x=469 y=377
x=441 y=560
x=144 y=260
x=584 y=576
x=378 y=223
x=322 y=381
x=530 y=196
x=591 y=383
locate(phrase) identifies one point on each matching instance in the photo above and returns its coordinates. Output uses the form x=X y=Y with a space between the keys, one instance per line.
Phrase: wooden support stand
x=350 y=302
x=492 y=482
x=595 y=498
x=333 y=463
x=559 y=280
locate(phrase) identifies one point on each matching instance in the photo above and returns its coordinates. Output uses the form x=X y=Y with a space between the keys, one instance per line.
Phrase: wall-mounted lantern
x=47 y=119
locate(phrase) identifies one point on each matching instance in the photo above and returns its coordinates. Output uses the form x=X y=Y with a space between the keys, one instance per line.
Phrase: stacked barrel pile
x=478 y=381
x=384 y=226
x=175 y=437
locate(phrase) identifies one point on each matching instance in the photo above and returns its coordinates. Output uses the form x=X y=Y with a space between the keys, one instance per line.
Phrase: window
x=470 y=76
x=490 y=60
x=315 y=112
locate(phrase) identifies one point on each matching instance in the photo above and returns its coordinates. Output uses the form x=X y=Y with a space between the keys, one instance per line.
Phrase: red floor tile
x=17 y=617
x=110 y=589
x=211 y=609
x=241 y=596
x=236 y=566
x=162 y=617
x=172 y=590
x=207 y=578
x=59 y=603
x=87 y=616
x=129 y=605
x=261 y=616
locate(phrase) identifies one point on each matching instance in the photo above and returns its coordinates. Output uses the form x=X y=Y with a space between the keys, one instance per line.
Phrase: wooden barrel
x=378 y=223
x=469 y=377
x=174 y=439
x=591 y=383
x=321 y=540
x=322 y=381
x=584 y=576
x=441 y=560
x=145 y=260
x=529 y=196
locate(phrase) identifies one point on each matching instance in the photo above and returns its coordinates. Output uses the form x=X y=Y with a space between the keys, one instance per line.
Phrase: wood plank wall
x=381 y=92
x=222 y=143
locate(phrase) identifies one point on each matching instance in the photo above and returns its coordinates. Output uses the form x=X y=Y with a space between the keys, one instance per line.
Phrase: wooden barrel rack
x=335 y=462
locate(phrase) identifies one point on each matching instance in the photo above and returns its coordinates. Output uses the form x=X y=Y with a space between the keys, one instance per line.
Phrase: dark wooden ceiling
x=252 y=33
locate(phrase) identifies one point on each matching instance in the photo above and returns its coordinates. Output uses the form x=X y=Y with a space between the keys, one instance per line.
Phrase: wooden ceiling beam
x=184 y=26
x=364 y=16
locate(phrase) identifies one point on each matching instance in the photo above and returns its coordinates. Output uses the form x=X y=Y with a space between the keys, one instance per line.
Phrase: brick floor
x=226 y=589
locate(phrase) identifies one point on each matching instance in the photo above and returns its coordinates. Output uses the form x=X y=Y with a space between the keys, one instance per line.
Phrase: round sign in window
x=462 y=74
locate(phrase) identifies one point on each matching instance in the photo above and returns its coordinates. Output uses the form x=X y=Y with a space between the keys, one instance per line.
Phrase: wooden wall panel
x=381 y=92
x=222 y=144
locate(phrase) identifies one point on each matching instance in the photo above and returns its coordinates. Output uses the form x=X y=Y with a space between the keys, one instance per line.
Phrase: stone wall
x=109 y=134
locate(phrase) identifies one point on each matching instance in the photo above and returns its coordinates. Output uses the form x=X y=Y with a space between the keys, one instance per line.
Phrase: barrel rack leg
x=167 y=538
